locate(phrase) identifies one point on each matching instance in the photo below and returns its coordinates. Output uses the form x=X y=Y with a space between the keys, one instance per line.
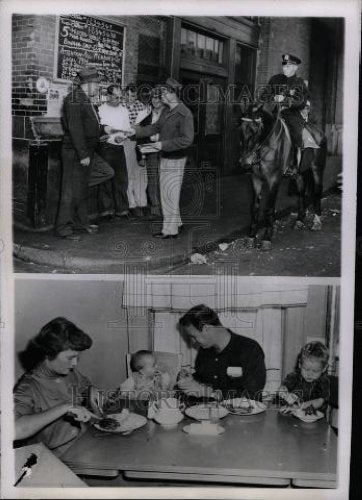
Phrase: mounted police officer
x=290 y=90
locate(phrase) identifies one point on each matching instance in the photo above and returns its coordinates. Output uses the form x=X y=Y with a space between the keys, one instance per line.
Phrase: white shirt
x=155 y=116
x=115 y=117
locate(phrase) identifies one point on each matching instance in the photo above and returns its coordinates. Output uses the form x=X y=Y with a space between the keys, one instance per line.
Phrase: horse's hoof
x=266 y=245
x=250 y=242
x=299 y=224
x=317 y=224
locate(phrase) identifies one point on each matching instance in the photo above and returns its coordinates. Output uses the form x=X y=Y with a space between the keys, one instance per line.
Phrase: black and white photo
x=242 y=163
x=177 y=248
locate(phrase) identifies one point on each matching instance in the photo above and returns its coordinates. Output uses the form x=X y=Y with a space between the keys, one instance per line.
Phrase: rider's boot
x=293 y=169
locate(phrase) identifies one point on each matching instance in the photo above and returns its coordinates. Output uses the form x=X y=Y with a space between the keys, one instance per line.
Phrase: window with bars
x=201 y=46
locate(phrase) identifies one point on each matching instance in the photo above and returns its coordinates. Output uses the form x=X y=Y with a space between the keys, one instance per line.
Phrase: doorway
x=204 y=96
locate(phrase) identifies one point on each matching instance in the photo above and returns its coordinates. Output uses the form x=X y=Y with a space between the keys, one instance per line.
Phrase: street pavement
x=217 y=212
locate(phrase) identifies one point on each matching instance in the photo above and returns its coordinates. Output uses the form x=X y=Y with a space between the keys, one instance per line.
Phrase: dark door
x=204 y=96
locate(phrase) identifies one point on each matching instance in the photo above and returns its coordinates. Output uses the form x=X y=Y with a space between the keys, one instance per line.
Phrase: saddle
x=313 y=139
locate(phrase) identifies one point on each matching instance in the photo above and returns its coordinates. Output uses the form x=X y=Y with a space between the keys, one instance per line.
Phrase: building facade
x=217 y=59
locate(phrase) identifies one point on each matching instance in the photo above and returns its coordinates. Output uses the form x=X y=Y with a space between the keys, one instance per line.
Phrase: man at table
x=226 y=362
x=50 y=398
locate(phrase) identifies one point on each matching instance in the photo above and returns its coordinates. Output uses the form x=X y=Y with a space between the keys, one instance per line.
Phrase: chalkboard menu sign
x=83 y=41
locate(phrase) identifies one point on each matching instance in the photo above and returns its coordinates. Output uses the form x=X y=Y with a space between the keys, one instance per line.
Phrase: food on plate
x=308 y=418
x=206 y=412
x=310 y=410
x=123 y=422
x=240 y=409
x=108 y=423
x=244 y=406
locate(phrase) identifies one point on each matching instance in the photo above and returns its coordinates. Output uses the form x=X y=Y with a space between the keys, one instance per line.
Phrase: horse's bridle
x=255 y=154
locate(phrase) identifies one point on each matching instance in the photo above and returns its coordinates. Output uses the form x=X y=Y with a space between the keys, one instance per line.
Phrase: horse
x=267 y=151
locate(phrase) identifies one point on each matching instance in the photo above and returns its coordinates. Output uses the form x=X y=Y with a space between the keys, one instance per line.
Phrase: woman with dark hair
x=50 y=397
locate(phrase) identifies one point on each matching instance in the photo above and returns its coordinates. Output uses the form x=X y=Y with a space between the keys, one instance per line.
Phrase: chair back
x=333 y=391
x=332 y=410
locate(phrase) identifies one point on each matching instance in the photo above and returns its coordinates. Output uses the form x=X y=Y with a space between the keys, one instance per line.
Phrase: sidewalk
x=222 y=209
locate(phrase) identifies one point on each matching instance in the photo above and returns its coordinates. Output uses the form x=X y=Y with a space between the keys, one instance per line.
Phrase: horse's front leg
x=300 y=222
x=254 y=210
x=317 y=197
x=273 y=186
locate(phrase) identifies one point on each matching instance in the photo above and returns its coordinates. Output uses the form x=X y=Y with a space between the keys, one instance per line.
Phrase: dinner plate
x=308 y=418
x=203 y=412
x=127 y=422
x=203 y=430
x=244 y=406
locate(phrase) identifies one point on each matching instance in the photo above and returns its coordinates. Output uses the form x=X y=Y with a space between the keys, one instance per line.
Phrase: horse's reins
x=255 y=158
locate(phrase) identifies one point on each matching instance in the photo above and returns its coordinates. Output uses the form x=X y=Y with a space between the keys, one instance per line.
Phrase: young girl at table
x=307 y=388
x=146 y=378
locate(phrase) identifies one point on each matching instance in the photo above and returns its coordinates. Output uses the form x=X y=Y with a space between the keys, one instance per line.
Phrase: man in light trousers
x=176 y=129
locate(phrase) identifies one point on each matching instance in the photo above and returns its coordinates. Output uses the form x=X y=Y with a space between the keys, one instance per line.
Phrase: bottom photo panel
x=139 y=381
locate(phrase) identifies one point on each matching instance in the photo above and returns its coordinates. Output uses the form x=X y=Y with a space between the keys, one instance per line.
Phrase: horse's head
x=256 y=122
x=251 y=128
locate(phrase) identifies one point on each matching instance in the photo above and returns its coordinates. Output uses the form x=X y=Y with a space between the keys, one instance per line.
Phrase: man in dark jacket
x=176 y=129
x=290 y=90
x=82 y=168
x=226 y=362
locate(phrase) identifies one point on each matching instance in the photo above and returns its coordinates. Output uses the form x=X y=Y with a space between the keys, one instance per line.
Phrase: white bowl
x=168 y=417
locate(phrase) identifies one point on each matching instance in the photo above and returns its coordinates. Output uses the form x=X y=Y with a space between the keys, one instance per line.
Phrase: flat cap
x=170 y=84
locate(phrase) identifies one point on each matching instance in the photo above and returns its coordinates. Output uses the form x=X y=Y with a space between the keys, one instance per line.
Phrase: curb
x=69 y=263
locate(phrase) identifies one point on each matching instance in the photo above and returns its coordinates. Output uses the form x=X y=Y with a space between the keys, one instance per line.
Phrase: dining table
x=268 y=448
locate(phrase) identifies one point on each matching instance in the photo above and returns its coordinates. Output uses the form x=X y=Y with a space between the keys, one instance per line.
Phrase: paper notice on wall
x=55 y=96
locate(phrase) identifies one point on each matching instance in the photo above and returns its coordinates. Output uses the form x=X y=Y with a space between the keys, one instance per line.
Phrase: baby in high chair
x=146 y=377
x=307 y=388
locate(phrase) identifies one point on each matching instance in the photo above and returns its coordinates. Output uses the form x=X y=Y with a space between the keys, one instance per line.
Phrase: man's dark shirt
x=293 y=88
x=242 y=357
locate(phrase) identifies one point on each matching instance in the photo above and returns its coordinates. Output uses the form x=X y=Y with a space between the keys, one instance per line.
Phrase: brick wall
x=136 y=25
x=33 y=40
x=280 y=35
x=32 y=57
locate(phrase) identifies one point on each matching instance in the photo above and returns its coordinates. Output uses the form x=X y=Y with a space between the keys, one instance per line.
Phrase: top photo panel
x=177 y=145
